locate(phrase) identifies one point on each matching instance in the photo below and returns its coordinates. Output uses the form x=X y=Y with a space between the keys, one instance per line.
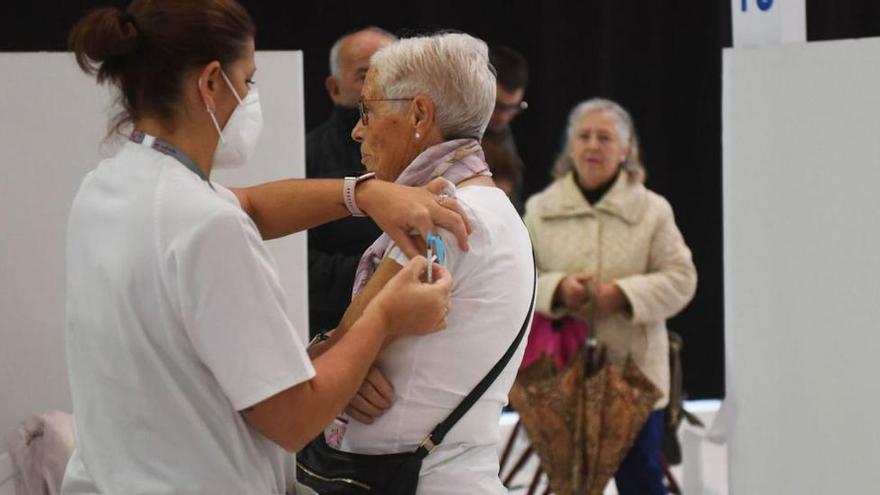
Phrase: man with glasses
x=336 y=247
x=512 y=79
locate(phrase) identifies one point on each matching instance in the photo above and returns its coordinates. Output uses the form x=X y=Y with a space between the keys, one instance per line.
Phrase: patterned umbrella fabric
x=547 y=400
x=581 y=414
x=617 y=403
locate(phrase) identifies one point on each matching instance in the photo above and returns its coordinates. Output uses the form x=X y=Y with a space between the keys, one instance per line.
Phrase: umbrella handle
x=593 y=357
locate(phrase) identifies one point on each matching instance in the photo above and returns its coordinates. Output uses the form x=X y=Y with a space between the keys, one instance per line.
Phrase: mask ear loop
x=229 y=83
x=214 y=117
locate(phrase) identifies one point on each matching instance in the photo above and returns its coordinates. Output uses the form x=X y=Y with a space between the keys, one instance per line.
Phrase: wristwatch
x=348 y=187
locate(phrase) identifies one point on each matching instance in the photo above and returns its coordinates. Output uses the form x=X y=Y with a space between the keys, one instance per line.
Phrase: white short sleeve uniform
x=176 y=321
x=493 y=286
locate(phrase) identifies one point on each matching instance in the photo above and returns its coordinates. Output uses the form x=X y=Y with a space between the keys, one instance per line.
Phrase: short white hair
x=626 y=132
x=335 y=63
x=452 y=69
x=622 y=120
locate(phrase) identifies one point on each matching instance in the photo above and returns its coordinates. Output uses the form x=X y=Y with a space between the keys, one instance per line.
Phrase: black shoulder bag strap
x=436 y=437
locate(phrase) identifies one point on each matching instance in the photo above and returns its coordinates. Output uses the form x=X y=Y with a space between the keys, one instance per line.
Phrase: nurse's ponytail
x=146 y=50
x=102 y=40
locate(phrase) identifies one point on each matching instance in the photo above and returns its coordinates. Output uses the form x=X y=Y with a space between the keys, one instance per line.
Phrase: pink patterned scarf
x=455 y=161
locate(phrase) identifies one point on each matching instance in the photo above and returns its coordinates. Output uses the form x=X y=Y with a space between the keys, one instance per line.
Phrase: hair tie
x=126 y=18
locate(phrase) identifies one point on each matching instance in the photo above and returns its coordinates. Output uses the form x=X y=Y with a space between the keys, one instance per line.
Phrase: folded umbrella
x=547 y=399
x=617 y=401
x=582 y=414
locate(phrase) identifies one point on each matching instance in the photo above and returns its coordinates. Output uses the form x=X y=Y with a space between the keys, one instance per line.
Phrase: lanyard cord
x=169 y=149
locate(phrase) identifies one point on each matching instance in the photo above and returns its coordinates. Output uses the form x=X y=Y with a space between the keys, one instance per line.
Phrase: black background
x=661 y=59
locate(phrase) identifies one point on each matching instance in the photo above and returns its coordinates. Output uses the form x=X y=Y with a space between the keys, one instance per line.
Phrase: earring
x=418 y=136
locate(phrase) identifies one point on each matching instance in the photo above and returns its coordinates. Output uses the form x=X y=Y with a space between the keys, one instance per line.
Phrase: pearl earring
x=418 y=136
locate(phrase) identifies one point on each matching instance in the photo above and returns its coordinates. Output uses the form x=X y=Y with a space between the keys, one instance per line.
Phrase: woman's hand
x=408 y=306
x=576 y=294
x=573 y=293
x=609 y=299
x=402 y=211
x=373 y=398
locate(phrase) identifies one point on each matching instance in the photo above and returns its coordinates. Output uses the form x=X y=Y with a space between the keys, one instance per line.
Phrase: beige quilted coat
x=629 y=237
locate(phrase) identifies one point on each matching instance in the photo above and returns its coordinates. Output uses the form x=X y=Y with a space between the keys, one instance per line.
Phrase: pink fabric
x=455 y=161
x=560 y=343
x=334 y=433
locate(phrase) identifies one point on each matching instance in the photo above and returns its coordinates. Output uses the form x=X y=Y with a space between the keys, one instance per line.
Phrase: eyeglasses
x=517 y=108
x=362 y=109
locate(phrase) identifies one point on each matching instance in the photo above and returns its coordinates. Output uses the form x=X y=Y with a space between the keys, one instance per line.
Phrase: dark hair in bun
x=101 y=38
x=148 y=48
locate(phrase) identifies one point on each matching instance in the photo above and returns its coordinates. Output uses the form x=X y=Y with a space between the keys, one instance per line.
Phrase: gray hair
x=626 y=132
x=452 y=69
x=335 y=63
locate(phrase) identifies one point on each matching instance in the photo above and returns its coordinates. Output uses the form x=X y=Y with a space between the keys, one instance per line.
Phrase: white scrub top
x=493 y=287
x=176 y=321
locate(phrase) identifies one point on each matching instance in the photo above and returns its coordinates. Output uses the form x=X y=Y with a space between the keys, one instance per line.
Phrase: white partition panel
x=802 y=267
x=52 y=124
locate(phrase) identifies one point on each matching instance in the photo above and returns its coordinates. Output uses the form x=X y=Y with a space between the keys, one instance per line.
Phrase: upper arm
x=243 y=199
x=386 y=270
x=668 y=248
x=534 y=223
x=274 y=417
x=670 y=280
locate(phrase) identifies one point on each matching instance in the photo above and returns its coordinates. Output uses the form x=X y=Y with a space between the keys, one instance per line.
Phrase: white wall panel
x=52 y=124
x=802 y=266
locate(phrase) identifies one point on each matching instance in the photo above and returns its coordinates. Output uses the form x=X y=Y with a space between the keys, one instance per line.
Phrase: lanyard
x=169 y=149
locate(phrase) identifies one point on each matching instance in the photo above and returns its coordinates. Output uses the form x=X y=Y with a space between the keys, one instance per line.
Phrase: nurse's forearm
x=386 y=270
x=294 y=417
x=284 y=207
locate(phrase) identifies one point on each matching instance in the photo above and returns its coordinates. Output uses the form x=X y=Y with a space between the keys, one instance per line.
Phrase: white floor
x=702 y=472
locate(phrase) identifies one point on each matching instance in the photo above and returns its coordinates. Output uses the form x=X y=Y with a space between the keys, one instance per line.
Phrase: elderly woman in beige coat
x=608 y=250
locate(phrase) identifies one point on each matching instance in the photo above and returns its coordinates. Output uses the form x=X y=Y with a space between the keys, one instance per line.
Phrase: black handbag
x=329 y=471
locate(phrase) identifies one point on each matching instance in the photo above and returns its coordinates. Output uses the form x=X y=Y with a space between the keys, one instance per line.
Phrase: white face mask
x=242 y=131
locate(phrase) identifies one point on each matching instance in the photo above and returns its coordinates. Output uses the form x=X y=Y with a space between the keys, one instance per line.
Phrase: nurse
x=186 y=373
